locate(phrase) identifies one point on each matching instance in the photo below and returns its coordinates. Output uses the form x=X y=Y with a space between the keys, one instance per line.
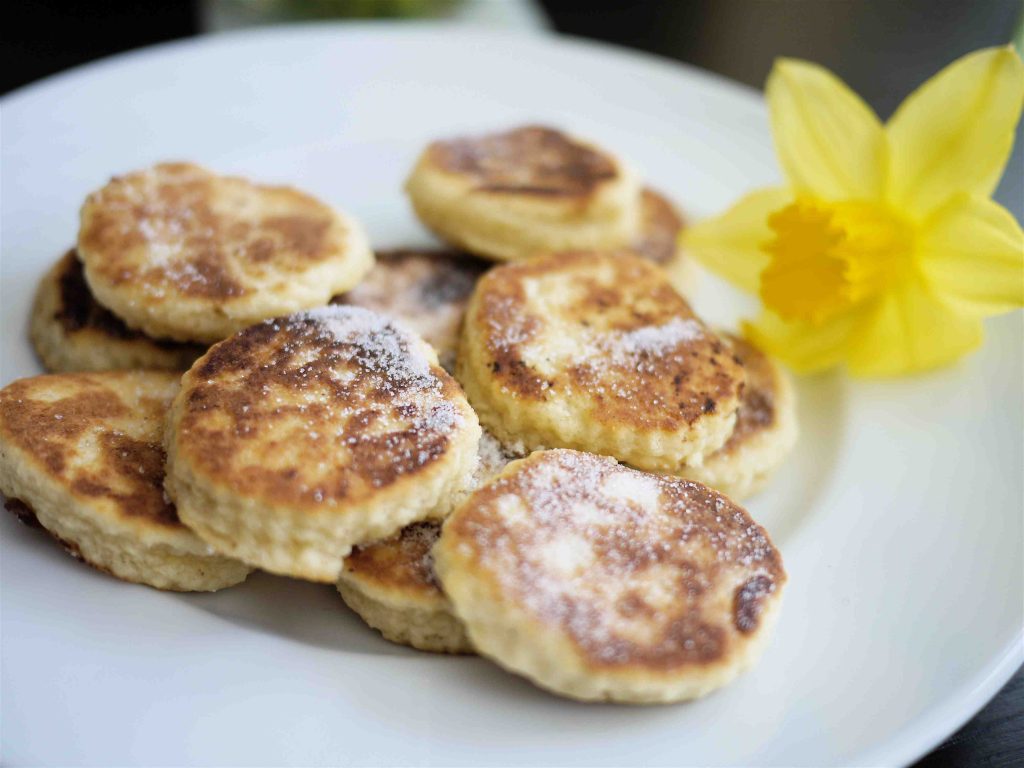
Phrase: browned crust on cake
x=139 y=210
x=127 y=474
x=660 y=227
x=702 y=537
x=23 y=512
x=79 y=312
x=757 y=411
x=532 y=160
x=404 y=561
x=290 y=385
x=27 y=515
x=427 y=288
x=401 y=562
x=667 y=391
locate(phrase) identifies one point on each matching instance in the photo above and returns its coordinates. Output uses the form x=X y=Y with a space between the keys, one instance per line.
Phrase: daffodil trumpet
x=883 y=250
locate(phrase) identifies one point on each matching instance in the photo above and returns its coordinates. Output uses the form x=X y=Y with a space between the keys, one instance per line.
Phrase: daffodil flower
x=883 y=250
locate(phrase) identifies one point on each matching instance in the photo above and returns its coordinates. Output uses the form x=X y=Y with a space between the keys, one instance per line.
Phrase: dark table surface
x=44 y=37
x=994 y=738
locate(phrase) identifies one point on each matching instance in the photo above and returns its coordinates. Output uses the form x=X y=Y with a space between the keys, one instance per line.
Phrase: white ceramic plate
x=899 y=516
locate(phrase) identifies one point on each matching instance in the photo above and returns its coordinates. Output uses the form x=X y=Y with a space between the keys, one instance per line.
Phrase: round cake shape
x=182 y=253
x=81 y=454
x=508 y=196
x=300 y=437
x=598 y=352
x=604 y=583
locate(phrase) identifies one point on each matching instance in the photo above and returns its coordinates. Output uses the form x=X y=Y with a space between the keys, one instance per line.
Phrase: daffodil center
x=828 y=257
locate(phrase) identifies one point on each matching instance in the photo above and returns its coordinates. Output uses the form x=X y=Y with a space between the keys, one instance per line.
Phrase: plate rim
x=376 y=26
x=915 y=738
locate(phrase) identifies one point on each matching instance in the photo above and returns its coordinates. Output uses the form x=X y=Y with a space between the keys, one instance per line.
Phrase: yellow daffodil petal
x=805 y=347
x=909 y=330
x=971 y=252
x=830 y=143
x=730 y=244
x=955 y=132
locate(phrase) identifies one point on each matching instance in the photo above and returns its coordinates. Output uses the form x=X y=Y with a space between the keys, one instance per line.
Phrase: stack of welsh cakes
x=514 y=195
x=174 y=258
x=491 y=459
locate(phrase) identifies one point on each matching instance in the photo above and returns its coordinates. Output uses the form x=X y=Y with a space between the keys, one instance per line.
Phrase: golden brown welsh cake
x=508 y=196
x=300 y=437
x=765 y=431
x=426 y=289
x=72 y=332
x=391 y=583
x=179 y=252
x=82 y=454
x=601 y=582
x=597 y=352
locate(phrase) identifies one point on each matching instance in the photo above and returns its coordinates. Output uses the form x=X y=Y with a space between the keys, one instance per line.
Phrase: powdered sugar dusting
x=567 y=554
x=654 y=339
x=379 y=344
x=329 y=405
x=638 y=488
x=507 y=325
x=179 y=231
x=634 y=567
x=417 y=543
x=403 y=559
x=606 y=338
x=427 y=289
x=640 y=349
x=494 y=456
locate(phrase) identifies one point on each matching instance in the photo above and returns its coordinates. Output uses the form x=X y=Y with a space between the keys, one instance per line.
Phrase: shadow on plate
x=308 y=613
x=795 y=491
